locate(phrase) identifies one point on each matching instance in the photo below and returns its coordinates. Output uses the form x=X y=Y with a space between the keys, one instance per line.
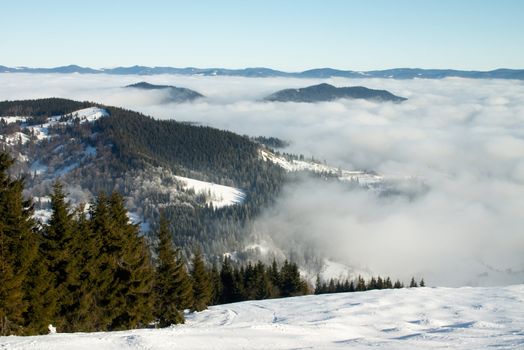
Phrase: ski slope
x=418 y=318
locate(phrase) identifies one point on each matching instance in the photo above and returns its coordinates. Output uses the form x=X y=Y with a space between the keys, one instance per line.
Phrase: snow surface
x=217 y=195
x=363 y=178
x=15 y=138
x=89 y=114
x=12 y=119
x=417 y=318
x=41 y=131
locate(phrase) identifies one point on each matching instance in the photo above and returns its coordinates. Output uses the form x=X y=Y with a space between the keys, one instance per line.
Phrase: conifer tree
x=18 y=249
x=57 y=251
x=318 y=285
x=274 y=278
x=201 y=283
x=83 y=276
x=290 y=282
x=230 y=288
x=41 y=296
x=167 y=307
x=132 y=279
x=216 y=284
x=183 y=284
x=422 y=283
x=413 y=283
x=264 y=287
x=361 y=284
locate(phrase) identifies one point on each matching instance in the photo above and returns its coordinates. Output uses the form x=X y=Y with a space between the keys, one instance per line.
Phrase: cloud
x=463 y=138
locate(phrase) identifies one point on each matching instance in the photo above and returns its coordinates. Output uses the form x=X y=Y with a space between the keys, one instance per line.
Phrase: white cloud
x=464 y=138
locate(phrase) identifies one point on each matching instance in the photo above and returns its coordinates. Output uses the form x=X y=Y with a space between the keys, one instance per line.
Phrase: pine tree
x=361 y=284
x=132 y=279
x=83 y=276
x=290 y=282
x=123 y=279
x=227 y=280
x=274 y=278
x=18 y=249
x=422 y=283
x=167 y=308
x=58 y=253
x=201 y=283
x=264 y=287
x=183 y=285
x=398 y=285
x=41 y=296
x=413 y=283
x=217 y=285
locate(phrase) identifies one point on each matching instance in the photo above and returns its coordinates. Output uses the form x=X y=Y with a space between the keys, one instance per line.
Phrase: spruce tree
x=57 y=251
x=216 y=284
x=413 y=283
x=41 y=296
x=132 y=279
x=183 y=284
x=264 y=287
x=201 y=283
x=227 y=280
x=18 y=249
x=290 y=282
x=83 y=276
x=167 y=307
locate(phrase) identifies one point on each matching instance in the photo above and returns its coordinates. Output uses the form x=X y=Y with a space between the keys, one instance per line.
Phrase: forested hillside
x=144 y=160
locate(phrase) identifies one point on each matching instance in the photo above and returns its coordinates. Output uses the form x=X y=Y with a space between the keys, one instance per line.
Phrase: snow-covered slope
x=418 y=318
x=41 y=131
x=364 y=178
x=217 y=195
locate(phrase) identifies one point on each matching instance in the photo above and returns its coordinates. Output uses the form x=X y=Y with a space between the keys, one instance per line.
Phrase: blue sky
x=282 y=34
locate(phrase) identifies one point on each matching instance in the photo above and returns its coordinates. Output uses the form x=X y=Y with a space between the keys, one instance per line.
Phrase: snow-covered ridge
x=414 y=318
x=217 y=195
x=292 y=165
x=41 y=131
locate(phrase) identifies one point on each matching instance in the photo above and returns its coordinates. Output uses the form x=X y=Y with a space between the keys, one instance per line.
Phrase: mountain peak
x=326 y=92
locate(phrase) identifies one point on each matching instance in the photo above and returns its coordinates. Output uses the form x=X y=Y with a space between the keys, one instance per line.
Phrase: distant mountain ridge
x=326 y=92
x=175 y=94
x=261 y=72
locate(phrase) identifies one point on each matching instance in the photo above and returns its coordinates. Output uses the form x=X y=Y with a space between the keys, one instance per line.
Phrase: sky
x=290 y=35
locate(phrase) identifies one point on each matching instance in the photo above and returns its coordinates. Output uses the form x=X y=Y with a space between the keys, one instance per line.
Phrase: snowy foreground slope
x=418 y=318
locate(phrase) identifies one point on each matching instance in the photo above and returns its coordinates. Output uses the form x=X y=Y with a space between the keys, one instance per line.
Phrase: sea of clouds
x=464 y=139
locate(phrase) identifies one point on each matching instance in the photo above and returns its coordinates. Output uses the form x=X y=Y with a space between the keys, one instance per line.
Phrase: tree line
x=90 y=269
x=335 y=285
x=94 y=271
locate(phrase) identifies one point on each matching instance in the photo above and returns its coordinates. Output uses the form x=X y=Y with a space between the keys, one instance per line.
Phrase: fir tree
x=167 y=309
x=132 y=279
x=41 y=296
x=83 y=276
x=361 y=284
x=18 y=249
x=290 y=282
x=217 y=285
x=201 y=283
x=422 y=283
x=57 y=251
x=413 y=283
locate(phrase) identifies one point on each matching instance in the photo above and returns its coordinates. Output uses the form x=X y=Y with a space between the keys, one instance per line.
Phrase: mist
x=464 y=139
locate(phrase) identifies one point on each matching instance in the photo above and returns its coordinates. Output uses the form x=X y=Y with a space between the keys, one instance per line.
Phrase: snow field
x=364 y=178
x=417 y=318
x=217 y=195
